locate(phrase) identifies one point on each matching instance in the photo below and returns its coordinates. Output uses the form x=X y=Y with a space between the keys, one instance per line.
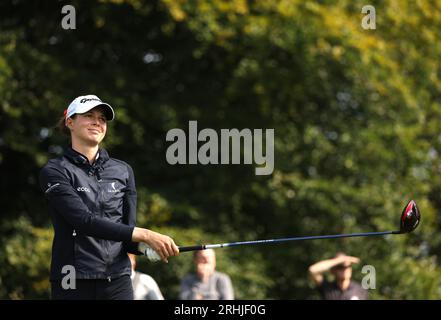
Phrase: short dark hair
x=341 y=265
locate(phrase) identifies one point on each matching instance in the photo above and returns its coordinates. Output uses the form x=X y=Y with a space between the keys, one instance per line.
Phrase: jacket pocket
x=89 y=255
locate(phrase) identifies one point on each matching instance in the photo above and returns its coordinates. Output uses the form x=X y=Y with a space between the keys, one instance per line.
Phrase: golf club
x=410 y=218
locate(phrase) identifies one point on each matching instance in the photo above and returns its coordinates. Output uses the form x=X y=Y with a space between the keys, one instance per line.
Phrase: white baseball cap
x=83 y=104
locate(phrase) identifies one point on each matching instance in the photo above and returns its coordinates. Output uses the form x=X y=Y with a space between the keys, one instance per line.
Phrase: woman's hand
x=162 y=244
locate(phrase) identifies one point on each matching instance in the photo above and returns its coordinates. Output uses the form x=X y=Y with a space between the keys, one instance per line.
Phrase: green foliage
x=25 y=255
x=356 y=115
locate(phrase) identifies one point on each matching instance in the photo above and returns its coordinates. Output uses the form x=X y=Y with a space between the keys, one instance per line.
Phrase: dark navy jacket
x=93 y=211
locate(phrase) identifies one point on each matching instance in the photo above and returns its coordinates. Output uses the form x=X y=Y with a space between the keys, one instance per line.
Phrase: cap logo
x=84 y=100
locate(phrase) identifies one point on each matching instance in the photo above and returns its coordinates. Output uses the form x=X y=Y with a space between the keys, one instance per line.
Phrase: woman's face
x=88 y=128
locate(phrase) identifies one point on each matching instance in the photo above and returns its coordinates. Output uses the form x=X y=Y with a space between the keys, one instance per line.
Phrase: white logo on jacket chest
x=112 y=188
x=83 y=189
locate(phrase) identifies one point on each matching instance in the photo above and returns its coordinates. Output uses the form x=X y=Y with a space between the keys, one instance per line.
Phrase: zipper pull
x=109 y=279
x=74 y=233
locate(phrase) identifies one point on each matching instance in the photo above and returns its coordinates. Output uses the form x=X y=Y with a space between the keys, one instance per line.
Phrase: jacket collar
x=78 y=158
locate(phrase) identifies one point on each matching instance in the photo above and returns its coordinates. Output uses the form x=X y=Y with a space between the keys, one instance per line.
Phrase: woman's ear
x=69 y=122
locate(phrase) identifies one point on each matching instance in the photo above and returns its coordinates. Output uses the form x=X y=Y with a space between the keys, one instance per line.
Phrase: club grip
x=191 y=248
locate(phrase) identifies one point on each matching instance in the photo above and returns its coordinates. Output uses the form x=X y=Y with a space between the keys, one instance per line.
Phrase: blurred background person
x=343 y=287
x=206 y=283
x=144 y=286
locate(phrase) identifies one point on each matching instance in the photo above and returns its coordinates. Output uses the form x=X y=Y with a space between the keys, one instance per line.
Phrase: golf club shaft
x=244 y=243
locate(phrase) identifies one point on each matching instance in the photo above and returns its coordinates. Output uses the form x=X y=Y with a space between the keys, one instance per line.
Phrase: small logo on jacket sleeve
x=51 y=187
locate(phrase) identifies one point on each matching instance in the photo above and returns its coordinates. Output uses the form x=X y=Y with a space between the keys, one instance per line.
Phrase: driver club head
x=410 y=218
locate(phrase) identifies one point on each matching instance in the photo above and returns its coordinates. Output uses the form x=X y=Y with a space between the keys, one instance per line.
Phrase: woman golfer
x=92 y=203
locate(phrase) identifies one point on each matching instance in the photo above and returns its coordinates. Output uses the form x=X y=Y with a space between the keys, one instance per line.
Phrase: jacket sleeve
x=129 y=210
x=64 y=199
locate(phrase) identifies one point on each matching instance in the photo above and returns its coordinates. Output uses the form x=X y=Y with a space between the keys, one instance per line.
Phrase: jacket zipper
x=105 y=243
x=74 y=235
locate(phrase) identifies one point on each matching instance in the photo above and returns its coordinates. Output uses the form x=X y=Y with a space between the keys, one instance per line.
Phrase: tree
x=355 y=113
